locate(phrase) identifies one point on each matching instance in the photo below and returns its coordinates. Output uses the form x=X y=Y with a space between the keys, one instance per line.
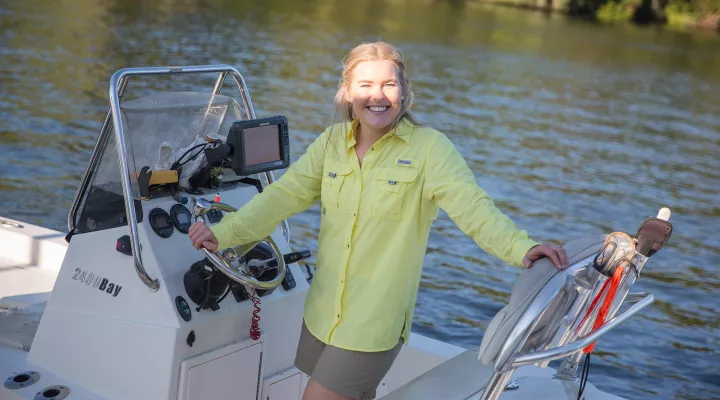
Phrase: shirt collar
x=403 y=130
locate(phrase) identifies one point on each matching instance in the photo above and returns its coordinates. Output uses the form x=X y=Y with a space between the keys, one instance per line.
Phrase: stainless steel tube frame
x=580 y=318
x=570 y=366
x=523 y=327
x=118 y=80
x=570 y=348
x=496 y=386
x=118 y=84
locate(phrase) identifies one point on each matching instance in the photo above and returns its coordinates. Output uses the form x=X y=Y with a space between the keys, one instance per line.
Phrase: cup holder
x=22 y=380
x=52 y=393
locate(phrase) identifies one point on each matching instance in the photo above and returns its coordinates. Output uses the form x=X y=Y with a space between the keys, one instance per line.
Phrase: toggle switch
x=123 y=245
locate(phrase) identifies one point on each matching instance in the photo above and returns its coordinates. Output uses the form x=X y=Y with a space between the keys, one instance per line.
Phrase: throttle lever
x=272 y=263
x=296 y=256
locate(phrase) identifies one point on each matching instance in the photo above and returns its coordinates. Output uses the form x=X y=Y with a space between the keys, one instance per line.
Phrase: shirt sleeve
x=451 y=185
x=295 y=191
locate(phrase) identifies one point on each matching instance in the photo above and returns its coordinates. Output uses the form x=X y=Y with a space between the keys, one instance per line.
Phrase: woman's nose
x=377 y=93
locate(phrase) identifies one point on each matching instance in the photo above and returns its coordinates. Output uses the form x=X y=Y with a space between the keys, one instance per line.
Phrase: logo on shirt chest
x=403 y=162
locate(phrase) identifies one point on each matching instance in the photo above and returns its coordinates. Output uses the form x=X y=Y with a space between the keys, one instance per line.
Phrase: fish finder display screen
x=259 y=145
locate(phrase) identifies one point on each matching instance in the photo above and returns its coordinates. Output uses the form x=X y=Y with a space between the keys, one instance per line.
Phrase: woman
x=381 y=179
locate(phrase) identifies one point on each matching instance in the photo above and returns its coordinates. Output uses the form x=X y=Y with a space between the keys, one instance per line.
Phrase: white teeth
x=378 y=108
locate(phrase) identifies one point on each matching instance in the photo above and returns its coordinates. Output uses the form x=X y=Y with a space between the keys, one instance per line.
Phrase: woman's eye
x=391 y=84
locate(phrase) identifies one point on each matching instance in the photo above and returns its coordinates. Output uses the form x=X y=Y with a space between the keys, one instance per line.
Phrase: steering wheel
x=223 y=260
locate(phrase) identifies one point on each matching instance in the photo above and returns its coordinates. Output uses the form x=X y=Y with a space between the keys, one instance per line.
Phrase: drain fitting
x=52 y=393
x=22 y=380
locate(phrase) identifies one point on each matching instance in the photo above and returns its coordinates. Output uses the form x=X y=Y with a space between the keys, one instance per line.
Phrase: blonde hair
x=374 y=51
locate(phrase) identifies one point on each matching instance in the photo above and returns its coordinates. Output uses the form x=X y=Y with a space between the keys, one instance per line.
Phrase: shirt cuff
x=521 y=249
x=223 y=234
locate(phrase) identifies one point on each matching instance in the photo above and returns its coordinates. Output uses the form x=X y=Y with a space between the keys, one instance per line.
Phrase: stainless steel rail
x=115 y=83
x=570 y=348
x=523 y=327
x=118 y=84
x=496 y=383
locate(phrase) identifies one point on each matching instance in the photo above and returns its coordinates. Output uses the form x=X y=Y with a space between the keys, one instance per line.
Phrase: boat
x=121 y=306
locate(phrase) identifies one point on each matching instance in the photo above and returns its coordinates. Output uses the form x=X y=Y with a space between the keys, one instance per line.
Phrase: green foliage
x=621 y=10
x=679 y=7
x=680 y=13
x=693 y=8
x=706 y=6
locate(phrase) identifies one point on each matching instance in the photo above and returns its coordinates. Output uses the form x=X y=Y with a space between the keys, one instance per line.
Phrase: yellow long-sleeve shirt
x=374 y=227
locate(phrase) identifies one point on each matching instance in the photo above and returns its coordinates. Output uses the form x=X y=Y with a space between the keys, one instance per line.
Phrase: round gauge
x=181 y=217
x=160 y=222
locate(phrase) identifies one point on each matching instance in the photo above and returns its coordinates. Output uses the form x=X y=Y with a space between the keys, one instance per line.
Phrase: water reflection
x=573 y=128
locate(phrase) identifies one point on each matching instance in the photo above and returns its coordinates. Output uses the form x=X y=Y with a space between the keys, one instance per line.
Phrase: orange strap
x=605 y=308
x=592 y=305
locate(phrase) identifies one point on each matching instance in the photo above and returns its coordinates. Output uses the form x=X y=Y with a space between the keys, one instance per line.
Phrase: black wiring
x=584 y=376
x=177 y=164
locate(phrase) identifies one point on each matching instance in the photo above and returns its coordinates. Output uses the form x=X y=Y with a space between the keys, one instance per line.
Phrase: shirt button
x=348 y=246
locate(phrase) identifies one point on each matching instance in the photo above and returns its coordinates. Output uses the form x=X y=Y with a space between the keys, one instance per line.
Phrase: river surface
x=573 y=128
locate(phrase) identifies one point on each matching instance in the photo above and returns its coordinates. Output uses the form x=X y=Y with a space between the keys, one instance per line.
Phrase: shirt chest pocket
x=391 y=187
x=335 y=183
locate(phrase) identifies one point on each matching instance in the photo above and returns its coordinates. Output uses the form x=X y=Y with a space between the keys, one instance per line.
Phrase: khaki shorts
x=353 y=374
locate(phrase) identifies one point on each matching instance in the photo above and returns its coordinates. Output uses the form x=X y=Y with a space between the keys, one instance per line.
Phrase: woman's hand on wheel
x=201 y=236
x=555 y=253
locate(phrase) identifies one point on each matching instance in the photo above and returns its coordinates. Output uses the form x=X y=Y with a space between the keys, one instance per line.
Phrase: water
x=573 y=128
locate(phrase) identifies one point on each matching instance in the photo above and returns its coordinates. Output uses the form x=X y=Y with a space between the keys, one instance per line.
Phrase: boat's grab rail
x=570 y=348
x=118 y=83
x=497 y=382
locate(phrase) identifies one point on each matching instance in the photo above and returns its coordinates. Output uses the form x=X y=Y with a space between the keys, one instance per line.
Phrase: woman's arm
x=294 y=192
x=451 y=185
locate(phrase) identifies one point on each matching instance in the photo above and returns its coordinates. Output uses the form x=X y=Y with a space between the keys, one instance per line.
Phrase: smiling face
x=375 y=95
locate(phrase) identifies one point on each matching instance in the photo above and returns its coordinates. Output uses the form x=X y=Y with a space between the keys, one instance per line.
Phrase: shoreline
x=641 y=12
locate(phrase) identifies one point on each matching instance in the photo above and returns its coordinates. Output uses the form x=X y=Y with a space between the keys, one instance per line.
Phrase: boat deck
x=29 y=266
x=21 y=285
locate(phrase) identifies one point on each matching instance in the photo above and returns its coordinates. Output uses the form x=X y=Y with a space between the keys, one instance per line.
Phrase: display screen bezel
x=238 y=141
